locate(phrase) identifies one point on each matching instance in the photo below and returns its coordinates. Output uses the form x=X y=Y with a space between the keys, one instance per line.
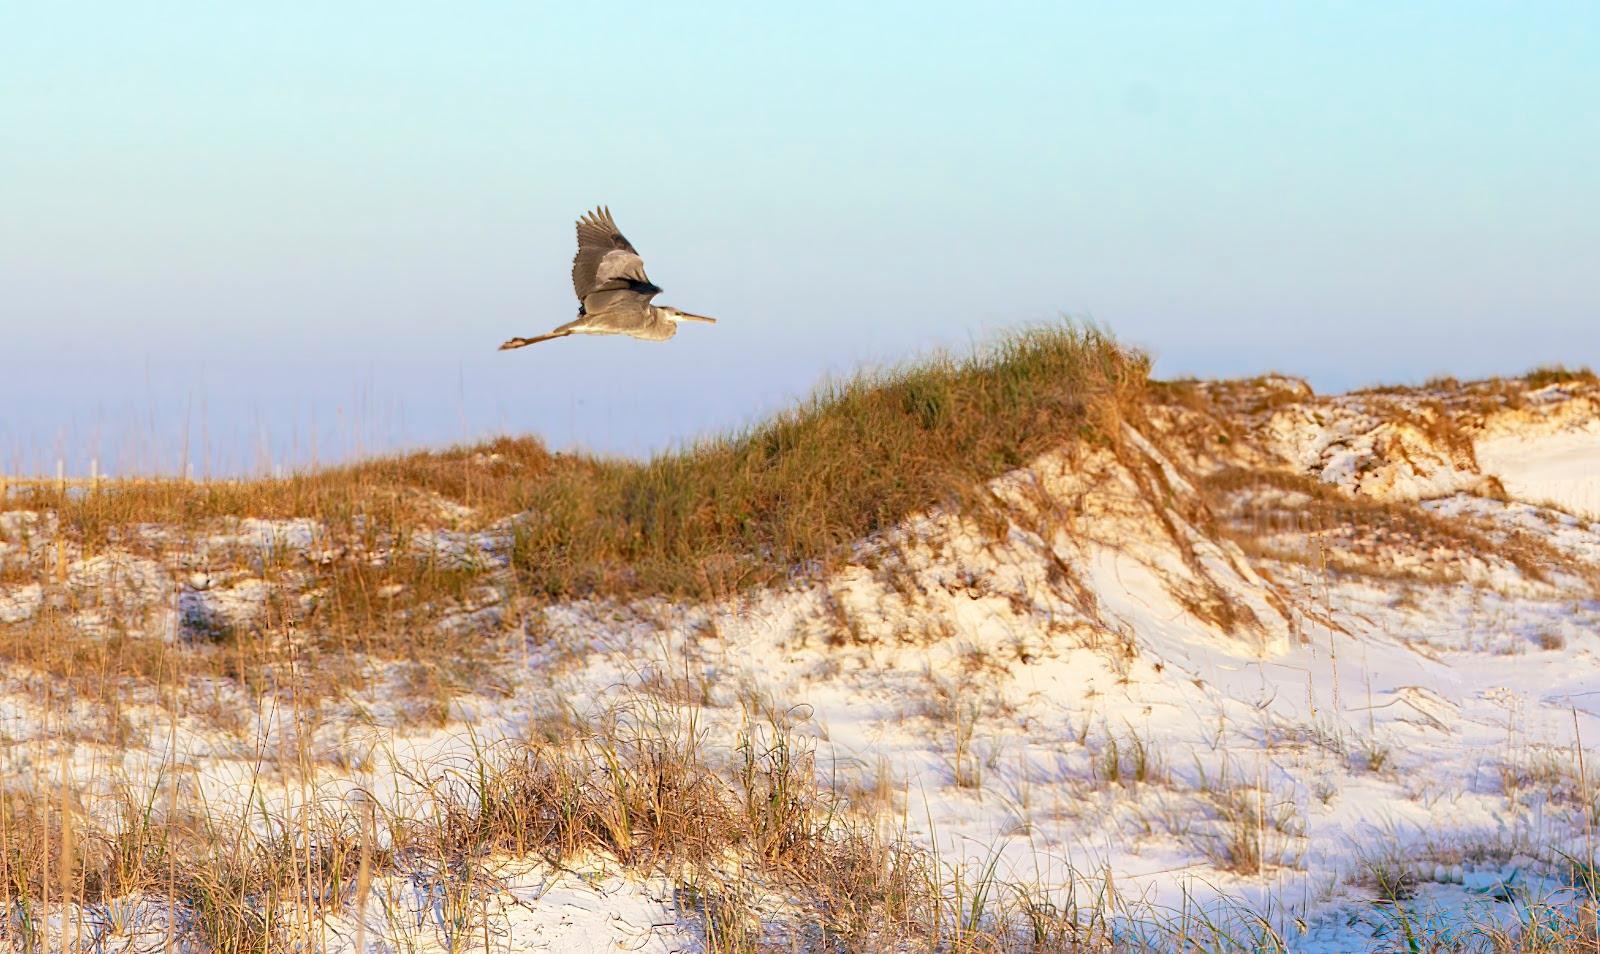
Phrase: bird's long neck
x=662 y=324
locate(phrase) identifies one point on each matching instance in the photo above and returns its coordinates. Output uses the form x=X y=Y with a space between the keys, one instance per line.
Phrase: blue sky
x=273 y=233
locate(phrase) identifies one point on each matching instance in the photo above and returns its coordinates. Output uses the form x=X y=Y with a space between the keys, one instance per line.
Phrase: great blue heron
x=613 y=290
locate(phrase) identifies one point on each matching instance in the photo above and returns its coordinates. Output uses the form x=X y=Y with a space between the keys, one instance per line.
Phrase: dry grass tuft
x=640 y=789
x=1278 y=515
x=1549 y=374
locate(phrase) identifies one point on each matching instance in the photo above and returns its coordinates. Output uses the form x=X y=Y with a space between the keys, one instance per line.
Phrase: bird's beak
x=685 y=316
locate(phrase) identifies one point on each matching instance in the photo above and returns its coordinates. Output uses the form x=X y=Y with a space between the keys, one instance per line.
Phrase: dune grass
x=859 y=455
x=1278 y=515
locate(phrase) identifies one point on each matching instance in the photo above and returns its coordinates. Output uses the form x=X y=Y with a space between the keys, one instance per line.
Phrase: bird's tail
x=524 y=342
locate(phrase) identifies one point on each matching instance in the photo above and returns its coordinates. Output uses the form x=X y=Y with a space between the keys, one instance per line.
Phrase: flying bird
x=613 y=291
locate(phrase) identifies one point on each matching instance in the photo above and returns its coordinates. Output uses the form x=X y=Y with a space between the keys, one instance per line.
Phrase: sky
x=243 y=237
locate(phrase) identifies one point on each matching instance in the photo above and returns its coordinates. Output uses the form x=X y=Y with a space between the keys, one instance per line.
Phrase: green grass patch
x=856 y=457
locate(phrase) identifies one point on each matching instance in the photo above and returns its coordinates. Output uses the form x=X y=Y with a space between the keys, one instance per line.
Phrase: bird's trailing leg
x=524 y=342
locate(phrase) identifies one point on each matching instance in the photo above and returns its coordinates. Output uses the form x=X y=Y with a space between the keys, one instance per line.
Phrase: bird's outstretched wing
x=606 y=261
